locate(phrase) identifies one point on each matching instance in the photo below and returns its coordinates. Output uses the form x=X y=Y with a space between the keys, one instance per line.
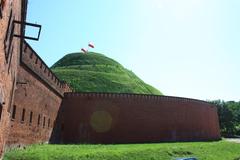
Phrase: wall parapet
x=34 y=62
x=132 y=95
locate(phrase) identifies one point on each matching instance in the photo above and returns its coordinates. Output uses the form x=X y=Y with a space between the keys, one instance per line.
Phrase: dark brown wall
x=9 y=60
x=127 y=118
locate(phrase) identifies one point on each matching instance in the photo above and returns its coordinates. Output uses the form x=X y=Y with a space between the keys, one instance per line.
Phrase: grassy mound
x=163 y=151
x=94 y=72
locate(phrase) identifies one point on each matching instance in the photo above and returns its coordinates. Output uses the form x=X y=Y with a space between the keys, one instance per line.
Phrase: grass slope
x=163 y=151
x=94 y=72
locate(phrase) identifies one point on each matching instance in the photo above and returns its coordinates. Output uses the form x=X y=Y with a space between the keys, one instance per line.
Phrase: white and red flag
x=91 y=45
x=84 y=50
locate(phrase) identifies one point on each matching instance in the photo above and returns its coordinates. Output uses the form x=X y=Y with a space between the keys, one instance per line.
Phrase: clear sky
x=187 y=48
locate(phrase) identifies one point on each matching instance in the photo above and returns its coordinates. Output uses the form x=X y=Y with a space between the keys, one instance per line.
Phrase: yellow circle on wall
x=101 y=121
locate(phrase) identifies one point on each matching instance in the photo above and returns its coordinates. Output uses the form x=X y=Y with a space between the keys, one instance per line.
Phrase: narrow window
x=39 y=118
x=31 y=115
x=36 y=61
x=44 y=118
x=1 y=10
x=1 y=108
x=8 y=38
x=2 y=4
x=23 y=115
x=48 y=122
x=14 y=112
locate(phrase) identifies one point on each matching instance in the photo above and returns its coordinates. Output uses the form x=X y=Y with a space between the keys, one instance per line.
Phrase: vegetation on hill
x=163 y=151
x=94 y=72
x=229 y=117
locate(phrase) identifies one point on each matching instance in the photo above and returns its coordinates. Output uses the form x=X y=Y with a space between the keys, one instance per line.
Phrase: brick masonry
x=37 y=100
x=9 y=61
x=130 y=118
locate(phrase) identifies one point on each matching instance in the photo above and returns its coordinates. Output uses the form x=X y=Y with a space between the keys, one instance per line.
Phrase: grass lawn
x=221 y=150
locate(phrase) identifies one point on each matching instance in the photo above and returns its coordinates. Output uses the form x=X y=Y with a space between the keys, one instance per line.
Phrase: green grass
x=94 y=72
x=221 y=150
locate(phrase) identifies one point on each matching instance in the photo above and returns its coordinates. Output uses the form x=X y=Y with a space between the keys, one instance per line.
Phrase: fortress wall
x=9 y=60
x=39 y=103
x=38 y=67
x=131 y=118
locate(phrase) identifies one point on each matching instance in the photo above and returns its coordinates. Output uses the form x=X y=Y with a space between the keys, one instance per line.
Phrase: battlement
x=34 y=62
x=143 y=97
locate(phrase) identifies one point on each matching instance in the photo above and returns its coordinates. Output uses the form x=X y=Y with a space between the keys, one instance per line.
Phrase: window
x=9 y=36
x=1 y=108
x=44 y=119
x=36 y=61
x=2 y=4
x=14 y=112
x=23 y=115
x=1 y=10
x=39 y=118
x=48 y=122
x=31 y=115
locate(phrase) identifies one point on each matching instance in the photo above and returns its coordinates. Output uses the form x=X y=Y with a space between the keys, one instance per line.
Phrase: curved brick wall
x=132 y=118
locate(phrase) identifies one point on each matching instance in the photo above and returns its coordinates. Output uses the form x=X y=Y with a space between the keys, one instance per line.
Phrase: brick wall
x=37 y=100
x=129 y=118
x=33 y=61
x=34 y=112
x=9 y=60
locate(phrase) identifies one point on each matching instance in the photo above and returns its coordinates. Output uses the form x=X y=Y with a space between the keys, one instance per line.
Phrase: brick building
x=36 y=107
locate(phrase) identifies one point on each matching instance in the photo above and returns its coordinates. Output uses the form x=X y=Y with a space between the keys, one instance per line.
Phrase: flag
x=91 y=45
x=84 y=50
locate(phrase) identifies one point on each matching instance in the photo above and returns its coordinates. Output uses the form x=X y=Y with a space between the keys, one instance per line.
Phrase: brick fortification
x=37 y=100
x=9 y=61
x=36 y=107
x=132 y=118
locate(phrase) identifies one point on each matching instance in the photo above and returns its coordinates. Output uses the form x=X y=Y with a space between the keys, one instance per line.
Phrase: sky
x=185 y=48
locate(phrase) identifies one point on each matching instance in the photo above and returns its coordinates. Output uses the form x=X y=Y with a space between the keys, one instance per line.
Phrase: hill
x=94 y=72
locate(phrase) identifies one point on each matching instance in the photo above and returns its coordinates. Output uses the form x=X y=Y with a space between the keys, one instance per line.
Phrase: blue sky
x=187 y=48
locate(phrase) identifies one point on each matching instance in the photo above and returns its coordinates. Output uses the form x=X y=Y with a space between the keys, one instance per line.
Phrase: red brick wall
x=128 y=118
x=39 y=92
x=9 y=60
x=32 y=61
x=33 y=96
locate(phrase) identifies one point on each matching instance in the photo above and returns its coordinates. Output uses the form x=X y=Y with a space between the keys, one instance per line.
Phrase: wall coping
x=132 y=95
